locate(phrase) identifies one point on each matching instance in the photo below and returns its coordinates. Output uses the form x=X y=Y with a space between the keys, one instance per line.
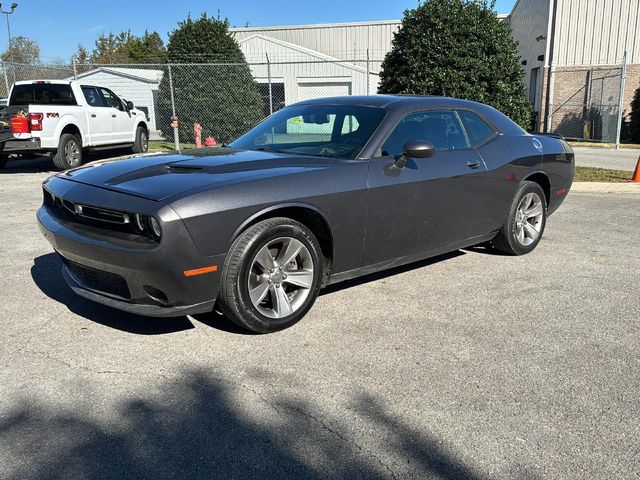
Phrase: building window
x=277 y=97
x=533 y=87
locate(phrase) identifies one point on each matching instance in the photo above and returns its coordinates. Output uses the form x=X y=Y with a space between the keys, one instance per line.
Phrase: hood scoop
x=177 y=168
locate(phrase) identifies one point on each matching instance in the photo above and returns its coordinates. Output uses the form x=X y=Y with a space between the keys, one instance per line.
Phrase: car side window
x=442 y=128
x=478 y=130
x=110 y=99
x=92 y=97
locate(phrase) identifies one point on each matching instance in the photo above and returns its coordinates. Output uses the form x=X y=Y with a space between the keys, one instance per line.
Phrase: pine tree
x=457 y=48
x=223 y=98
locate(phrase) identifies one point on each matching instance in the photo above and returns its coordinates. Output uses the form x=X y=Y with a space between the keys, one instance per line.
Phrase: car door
x=121 y=121
x=431 y=202
x=99 y=116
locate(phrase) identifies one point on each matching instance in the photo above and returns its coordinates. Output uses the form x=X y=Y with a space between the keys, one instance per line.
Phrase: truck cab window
x=92 y=97
x=111 y=99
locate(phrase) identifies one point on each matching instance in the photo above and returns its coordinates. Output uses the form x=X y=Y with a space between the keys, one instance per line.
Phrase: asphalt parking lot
x=469 y=366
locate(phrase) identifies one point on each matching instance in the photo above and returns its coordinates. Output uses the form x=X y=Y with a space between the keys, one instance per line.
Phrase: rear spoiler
x=547 y=134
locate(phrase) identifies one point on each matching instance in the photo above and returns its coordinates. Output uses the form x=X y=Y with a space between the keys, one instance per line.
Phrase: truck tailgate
x=6 y=114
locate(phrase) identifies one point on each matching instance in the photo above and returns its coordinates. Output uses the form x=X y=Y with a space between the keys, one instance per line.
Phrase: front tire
x=69 y=154
x=3 y=161
x=141 y=143
x=272 y=275
x=525 y=224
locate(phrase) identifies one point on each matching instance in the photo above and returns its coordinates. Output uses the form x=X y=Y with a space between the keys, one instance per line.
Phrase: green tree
x=22 y=50
x=149 y=48
x=457 y=48
x=125 y=47
x=634 y=118
x=81 y=55
x=223 y=97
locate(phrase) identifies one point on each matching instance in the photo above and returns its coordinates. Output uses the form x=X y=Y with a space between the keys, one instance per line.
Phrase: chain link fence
x=225 y=99
x=587 y=103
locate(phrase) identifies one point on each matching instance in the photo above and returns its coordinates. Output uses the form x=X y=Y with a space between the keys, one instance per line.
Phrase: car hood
x=157 y=177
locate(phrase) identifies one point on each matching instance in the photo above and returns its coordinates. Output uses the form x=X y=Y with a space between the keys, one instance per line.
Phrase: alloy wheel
x=529 y=216
x=281 y=277
x=72 y=153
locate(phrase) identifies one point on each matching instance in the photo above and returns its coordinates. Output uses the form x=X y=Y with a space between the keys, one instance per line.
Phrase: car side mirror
x=129 y=105
x=415 y=149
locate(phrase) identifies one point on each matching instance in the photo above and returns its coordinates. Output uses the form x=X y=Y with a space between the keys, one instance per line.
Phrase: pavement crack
x=363 y=450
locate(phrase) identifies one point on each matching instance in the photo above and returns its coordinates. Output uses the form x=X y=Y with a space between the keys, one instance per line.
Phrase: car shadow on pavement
x=47 y=275
x=200 y=425
x=336 y=287
x=44 y=164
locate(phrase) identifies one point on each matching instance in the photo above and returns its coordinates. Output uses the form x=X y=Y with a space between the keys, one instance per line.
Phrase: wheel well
x=72 y=129
x=143 y=125
x=542 y=180
x=310 y=219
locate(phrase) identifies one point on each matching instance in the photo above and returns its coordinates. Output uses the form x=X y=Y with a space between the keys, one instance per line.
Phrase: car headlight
x=147 y=225
x=155 y=227
x=139 y=222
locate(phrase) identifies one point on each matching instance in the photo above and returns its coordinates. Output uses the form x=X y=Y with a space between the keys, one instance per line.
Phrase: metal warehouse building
x=572 y=52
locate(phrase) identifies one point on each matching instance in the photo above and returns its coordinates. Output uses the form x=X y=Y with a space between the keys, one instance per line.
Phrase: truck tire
x=69 y=154
x=141 y=144
x=3 y=161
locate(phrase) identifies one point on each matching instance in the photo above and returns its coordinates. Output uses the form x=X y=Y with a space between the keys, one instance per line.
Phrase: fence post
x=75 y=70
x=6 y=77
x=623 y=80
x=269 y=80
x=176 y=134
x=368 y=74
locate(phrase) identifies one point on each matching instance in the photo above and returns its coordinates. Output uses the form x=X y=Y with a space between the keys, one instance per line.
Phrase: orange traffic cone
x=636 y=174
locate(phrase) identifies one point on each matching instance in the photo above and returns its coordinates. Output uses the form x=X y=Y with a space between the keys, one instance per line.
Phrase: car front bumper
x=142 y=278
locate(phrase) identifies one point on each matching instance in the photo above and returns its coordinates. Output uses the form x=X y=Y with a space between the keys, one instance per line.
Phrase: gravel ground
x=469 y=366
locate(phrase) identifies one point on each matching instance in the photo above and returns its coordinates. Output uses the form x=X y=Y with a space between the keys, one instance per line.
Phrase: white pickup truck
x=67 y=118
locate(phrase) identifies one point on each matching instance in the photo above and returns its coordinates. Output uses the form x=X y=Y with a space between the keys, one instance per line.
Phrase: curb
x=606 y=187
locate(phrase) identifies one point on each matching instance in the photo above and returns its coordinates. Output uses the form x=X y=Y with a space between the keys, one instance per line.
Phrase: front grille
x=99 y=280
x=98 y=217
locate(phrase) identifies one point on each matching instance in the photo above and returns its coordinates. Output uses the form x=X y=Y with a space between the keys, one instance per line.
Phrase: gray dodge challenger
x=319 y=192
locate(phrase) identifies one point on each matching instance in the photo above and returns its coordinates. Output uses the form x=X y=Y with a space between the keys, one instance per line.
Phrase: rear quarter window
x=477 y=129
x=42 y=94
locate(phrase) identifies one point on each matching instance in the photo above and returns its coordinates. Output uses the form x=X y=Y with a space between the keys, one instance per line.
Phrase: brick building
x=572 y=52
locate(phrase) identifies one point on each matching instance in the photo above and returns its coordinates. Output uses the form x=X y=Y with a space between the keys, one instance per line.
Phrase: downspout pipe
x=549 y=63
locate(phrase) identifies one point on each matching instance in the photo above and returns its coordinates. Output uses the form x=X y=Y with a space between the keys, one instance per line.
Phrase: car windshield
x=335 y=131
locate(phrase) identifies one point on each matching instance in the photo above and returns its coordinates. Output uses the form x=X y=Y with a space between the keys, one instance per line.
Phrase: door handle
x=113 y=116
x=93 y=115
x=473 y=164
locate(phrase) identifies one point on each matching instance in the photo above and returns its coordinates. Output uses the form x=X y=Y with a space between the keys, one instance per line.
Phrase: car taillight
x=35 y=121
x=19 y=125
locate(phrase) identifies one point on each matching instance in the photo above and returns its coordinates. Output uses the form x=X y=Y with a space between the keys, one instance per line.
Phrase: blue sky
x=59 y=25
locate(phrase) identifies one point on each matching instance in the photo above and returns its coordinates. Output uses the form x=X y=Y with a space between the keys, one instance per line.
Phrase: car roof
x=386 y=100
x=410 y=102
x=41 y=81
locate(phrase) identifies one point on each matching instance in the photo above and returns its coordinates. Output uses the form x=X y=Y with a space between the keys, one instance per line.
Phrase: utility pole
x=6 y=14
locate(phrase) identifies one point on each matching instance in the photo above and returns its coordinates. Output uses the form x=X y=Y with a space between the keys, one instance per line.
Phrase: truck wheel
x=69 y=154
x=3 y=161
x=141 y=145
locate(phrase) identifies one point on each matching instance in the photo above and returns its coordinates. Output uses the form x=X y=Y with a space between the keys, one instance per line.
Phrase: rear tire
x=272 y=275
x=524 y=227
x=69 y=154
x=141 y=144
x=3 y=161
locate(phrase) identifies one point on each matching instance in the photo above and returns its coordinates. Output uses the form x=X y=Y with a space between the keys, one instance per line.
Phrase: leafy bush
x=223 y=97
x=634 y=118
x=457 y=48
